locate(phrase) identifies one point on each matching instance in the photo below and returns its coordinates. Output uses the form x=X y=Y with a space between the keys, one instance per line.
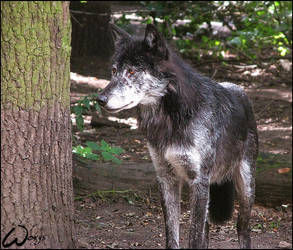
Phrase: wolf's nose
x=102 y=100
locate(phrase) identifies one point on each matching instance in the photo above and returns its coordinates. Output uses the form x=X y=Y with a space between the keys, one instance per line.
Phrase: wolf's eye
x=114 y=70
x=131 y=72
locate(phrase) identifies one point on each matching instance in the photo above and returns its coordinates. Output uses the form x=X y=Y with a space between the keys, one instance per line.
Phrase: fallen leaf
x=148 y=214
x=285 y=244
x=130 y=214
x=113 y=245
x=283 y=170
x=256 y=230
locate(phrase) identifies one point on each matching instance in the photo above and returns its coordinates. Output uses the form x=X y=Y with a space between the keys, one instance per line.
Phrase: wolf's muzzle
x=102 y=100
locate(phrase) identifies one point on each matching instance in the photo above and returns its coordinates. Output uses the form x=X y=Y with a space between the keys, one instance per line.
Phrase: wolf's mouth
x=129 y=105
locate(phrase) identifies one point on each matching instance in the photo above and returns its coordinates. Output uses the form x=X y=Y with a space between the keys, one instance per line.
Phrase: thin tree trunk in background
x=90 y=34
x=36 y=163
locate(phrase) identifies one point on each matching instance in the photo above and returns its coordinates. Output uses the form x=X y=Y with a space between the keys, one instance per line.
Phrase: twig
x=89 y=13
x=103 y=192
x=264 y=109
x=215 y=72
x=213 y=60
x=107 y=14
x=240 y=52
x=76 y=20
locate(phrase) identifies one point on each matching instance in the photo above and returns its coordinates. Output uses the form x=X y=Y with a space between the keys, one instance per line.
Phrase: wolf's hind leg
x=245 y=187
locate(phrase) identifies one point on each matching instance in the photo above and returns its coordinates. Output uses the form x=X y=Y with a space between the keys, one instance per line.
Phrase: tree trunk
x=36 y=163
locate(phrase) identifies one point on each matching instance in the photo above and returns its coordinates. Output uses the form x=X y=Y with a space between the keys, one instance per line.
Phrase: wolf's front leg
x=199 y=200
x=169 y=185
x=170 y=201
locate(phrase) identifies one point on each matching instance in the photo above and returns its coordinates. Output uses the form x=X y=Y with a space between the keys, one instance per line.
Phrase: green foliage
x=265 y=24
x=123 y=22
x=274 y=225
x=86 y=103
x=254 y=27
x=85 y=152
x=107 y=152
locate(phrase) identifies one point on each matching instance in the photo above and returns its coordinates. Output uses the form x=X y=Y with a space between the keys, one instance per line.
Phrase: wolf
x=198 y=131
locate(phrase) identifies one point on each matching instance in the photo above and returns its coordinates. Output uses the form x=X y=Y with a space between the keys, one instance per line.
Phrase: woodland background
x=102 y=191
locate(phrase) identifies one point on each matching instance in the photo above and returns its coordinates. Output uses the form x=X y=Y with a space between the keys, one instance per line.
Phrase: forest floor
x=117 y=206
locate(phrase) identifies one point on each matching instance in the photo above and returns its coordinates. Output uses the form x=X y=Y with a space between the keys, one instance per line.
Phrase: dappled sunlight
x=83 y=85
x=87 y=119
x=83 y=79
x=274 y=127
x=90 y=81
x=271 y=93
x=131 y=121
x=273 y=134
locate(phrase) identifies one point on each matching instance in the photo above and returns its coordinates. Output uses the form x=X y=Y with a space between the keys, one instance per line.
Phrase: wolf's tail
x=221 y=202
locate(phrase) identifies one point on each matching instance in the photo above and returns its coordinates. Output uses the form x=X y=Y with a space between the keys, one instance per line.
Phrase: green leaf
x=283 y=51
x=79 y=150
x=78 y=109
x=98 y=108
x=116 y=160
x=107 y=156
x=76 y=149
x=117 y=150
x=93 y=145
x=86 y=103
x=95 y=95
x=85 y=152
x=92 y=156
x=80 y=122
x=149 y=21
x=105 y=146
x=217 y=43
x=261 y=13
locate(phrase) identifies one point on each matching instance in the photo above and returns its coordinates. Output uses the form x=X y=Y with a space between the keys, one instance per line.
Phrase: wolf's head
x=136 y=78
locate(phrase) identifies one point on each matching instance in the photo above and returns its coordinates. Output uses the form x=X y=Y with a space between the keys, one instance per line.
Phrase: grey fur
x=198 y=131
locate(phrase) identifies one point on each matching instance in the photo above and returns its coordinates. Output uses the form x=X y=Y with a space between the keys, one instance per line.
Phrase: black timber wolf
x=198 y=131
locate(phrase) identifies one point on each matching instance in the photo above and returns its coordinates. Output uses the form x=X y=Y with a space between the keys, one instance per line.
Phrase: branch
x=257 y=115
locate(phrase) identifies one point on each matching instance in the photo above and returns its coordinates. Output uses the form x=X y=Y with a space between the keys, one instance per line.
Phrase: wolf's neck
x=163 y=123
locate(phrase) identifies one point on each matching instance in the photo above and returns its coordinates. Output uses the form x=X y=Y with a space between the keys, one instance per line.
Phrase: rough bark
x=36 y=163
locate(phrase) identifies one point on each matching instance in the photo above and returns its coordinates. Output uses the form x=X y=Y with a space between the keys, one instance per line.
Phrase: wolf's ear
x=118 y=34
x=155 y=42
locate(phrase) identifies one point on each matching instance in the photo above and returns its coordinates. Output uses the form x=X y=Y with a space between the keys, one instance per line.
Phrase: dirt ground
x=117 y=206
